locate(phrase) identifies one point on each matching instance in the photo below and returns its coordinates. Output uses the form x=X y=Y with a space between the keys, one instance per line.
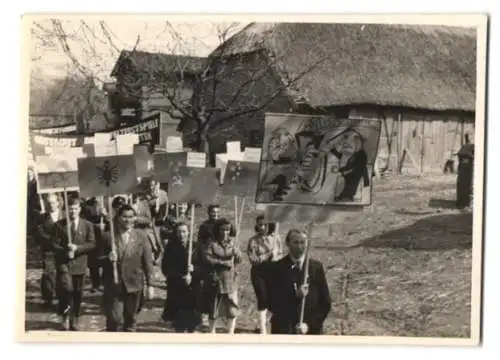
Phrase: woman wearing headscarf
x=263 y=248
x=222 y=256
x=182 y=281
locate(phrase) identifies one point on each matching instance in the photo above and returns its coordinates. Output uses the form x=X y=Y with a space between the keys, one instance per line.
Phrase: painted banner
x=193 y=185
x=166 y=164
x=57 y=182
x=174 y=144
x=56 y=173
x=55 y=130
x=144 y=163
x=301 y=214
x=240 y=178
x=76 y=152
x=196 y=159
x=148 y=130
x=308 y=159
x=111 y=175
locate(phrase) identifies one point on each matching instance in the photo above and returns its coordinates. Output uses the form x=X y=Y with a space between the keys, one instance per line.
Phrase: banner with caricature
x=312 y=160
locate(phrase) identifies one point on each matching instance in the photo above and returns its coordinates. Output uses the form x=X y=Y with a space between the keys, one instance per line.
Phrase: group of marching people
x=201 y=276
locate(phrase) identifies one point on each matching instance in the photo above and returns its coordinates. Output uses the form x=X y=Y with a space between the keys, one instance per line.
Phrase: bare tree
x=226 y=85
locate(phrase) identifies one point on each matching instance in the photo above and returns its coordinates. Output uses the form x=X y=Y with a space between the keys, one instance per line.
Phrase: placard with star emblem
x=166 y=164
x=110 y=175
x=193 y=185
x=240 y=178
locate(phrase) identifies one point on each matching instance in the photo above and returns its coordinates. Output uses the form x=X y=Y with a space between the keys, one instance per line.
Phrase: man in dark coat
x=46 y=235
x=134 y=261
x=287 y=289
x=71 y=259
x=465 y=173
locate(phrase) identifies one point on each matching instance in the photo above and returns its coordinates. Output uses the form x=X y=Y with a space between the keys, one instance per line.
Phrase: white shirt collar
x=299 y=260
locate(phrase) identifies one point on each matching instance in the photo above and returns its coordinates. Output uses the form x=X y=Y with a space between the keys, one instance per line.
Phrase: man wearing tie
x=134 y=263
x=287 y=289
x=46 y=233
x=71 y=258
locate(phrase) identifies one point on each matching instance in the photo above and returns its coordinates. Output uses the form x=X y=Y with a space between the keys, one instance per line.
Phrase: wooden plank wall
x=430 y=140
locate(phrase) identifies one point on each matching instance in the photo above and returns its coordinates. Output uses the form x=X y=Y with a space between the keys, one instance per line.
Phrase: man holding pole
x=127 y=249
x=74 y=239
x=298 y=300
x=46 y=231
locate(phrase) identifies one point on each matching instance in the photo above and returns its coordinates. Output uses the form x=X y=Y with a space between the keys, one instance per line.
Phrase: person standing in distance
x=286 y=290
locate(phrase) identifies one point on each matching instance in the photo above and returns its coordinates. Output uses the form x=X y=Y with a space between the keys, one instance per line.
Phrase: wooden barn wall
x=429 y=140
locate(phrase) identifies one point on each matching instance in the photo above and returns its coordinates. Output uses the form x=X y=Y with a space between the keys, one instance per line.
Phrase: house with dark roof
x=146 y=82
x=420 y=81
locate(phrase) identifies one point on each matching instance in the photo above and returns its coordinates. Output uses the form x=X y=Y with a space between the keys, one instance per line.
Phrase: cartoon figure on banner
x=347 y=147
x=108 y=174
x=321 y=160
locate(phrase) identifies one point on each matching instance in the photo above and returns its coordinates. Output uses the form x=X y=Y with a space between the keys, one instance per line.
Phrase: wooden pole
x=306 y=271
x=68 y=226
x=236 y=214
x=42 y=203
x=191 y=233
x=112 y=235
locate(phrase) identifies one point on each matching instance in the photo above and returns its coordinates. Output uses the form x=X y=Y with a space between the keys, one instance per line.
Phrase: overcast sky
x=97 y=50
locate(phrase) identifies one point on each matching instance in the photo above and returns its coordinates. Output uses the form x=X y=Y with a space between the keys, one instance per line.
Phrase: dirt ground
x=400 y=268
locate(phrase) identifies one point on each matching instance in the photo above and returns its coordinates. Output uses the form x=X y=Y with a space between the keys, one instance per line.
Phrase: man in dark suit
x=287 y=289
x=71 y=258
x=134 y=261
x=46 y=234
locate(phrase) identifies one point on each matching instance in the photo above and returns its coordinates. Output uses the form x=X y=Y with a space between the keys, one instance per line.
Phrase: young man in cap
x=287 y=290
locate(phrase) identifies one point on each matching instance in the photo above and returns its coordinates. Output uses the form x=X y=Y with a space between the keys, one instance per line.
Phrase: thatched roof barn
x=407 y=73
x=427 y=67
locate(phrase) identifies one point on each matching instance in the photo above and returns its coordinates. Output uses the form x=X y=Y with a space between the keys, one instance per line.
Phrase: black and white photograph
x=235 y=179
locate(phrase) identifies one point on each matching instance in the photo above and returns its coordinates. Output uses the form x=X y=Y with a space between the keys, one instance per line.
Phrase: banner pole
x=68 y=226
x=191 y=231
x=112 y=234
x=306 y=271
x=42 y=203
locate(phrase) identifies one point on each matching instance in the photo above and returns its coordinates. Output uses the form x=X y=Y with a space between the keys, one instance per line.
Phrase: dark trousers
x=49 y=278
x=121 y=308
x=94 y=266
x=258 y=277
x=70 y=294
